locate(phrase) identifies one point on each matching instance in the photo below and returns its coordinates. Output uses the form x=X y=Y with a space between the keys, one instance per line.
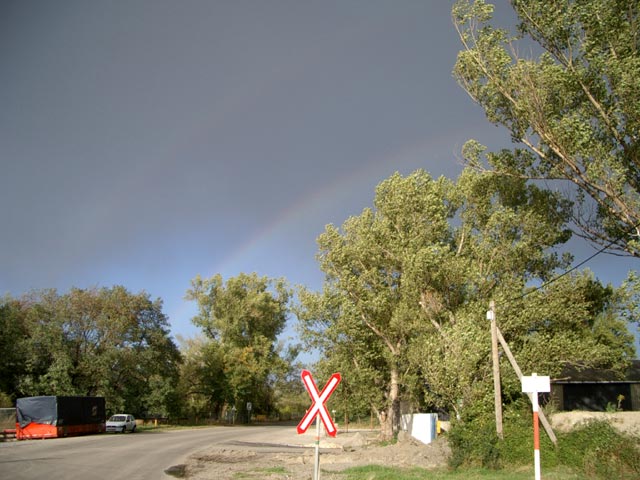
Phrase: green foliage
x=368 y=312
x=474 y=443
x=517 y=447
x=595 y=450
x=599 y=451
x=573 y=111
x=407 y=286
x=203 y=386
x=575 y=319
x=12 y=335
x=5 y=401
x=291 y=398
x=374 y=472
x=240 y=361
x=243 y=309
x=106 y=342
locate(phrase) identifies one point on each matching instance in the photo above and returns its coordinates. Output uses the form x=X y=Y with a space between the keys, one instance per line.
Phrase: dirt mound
x=625 y=422
x=407 y=453
x=356 y=450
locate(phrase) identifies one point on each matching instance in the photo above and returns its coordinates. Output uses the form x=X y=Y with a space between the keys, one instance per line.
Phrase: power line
x=555 y=279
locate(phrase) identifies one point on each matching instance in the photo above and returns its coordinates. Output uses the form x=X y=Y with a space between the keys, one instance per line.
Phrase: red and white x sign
x=318 y=406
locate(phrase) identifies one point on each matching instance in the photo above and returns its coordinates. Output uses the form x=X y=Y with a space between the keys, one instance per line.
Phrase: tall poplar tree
x=567 y=88
x=409 y=281
x=244 y=317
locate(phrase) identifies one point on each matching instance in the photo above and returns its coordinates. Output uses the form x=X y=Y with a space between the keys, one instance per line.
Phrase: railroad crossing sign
x=318 y=406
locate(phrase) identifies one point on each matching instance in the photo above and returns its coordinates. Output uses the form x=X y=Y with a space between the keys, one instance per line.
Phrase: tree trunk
x=390 y=418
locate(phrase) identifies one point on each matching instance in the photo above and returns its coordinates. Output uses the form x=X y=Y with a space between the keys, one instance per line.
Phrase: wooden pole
x=491 y=315
x=516 y=368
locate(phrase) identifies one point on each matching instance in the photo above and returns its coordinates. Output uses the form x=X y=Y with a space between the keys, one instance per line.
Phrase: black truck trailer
x=59 y=416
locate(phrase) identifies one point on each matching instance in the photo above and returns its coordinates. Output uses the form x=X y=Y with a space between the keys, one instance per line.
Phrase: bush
x=6 y=401
x=517 y=447
x=473 y=442
x=600 y=451
x=596 y=450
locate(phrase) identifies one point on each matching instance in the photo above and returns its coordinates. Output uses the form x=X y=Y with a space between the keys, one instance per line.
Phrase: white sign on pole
x=536 y=384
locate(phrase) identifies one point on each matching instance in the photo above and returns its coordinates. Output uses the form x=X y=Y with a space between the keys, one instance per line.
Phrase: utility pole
x=491 y=316
x=516 y=368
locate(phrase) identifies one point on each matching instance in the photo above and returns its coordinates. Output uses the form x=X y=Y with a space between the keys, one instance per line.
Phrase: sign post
x=316 y=463
x=533 y=385
x=318 y=411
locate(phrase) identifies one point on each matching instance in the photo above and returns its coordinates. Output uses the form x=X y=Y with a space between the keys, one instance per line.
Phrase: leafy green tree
x=48 y=366
x=244 y=317
x=107 y=342
x=504 y=244
x=407 y=286
x=573 y=111
x=573 y=320
x=629 y=301
x=203 y=386
x=329 y=325
x=368 y=311
x=290 y=396
x=12 y=335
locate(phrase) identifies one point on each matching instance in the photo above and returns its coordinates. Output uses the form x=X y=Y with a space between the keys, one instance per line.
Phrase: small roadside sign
x=536 y=384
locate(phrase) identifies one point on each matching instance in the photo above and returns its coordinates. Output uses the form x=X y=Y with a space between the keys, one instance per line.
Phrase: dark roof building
x=597 y=390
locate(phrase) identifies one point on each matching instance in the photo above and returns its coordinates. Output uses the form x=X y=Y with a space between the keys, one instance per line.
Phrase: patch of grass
x=386 y=443
x=385 y=473
x=260 y=472
x=274 y=470
x=374 y=472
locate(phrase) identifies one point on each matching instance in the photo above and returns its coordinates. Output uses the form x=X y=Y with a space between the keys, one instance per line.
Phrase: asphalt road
x=132 y=456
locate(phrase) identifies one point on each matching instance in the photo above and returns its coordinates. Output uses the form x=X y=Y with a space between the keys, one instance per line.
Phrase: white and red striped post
x=533 y=385
x=536 y=436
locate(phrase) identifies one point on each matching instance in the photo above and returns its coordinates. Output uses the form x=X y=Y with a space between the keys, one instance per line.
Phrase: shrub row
x=595 y=450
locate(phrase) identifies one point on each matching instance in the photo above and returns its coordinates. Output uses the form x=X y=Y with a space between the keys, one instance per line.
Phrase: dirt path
x=292 y=458
x=271 y=461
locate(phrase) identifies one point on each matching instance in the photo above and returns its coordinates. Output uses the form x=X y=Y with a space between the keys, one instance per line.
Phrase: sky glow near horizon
x=146 y=142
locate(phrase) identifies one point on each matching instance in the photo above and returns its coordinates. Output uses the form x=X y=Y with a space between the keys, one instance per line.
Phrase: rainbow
x=326 y=204
x=329 y=201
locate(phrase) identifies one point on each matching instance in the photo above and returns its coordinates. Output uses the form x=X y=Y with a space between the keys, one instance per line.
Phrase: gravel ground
x=281 y=461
